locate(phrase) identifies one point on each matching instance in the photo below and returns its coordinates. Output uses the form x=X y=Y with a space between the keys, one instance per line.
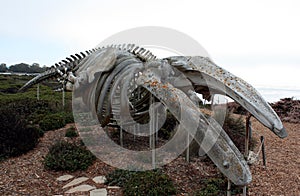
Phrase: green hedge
x=142 y=183
x=71 y=132
x=16 y=135
x=66 y=156
x=22 y=116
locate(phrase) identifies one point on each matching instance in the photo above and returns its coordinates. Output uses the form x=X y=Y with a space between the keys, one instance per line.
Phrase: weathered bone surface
x=145 y=75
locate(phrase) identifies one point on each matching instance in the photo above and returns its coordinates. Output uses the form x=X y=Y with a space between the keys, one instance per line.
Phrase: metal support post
x=262 y=139
x=38 y=92
x=247 y=137
x=228 y=188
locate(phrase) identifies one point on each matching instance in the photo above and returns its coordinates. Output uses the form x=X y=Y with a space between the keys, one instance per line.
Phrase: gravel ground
x=281 y=176
x=25 y=175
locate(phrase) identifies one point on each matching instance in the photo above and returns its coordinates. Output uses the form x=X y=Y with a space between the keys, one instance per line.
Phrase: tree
x=3 y=67
x=25 y=68
x=35 y=68
x=22 y=68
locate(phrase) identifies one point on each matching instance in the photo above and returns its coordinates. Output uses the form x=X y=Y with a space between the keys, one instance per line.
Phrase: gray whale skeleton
x=110 y=66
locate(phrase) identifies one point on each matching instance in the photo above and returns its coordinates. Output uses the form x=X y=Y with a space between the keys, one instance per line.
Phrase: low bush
x=51 y=122
x=236 y=130
x=65 y=156
x=21 y=114
x=68 y=117
x=212 y=187
x=16 y=135
x=71 y=132
x=142 y=182
x=119 y=177
x=217 y=186
x=55 y=121
x=149 y=183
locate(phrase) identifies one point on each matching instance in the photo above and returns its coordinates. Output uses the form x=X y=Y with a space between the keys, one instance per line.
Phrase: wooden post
x=262 y=140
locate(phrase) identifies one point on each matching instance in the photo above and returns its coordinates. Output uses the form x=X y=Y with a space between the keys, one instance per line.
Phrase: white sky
x=258 y=41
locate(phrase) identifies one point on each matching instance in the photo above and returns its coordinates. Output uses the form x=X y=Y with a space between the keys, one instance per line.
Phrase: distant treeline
x=22 y=68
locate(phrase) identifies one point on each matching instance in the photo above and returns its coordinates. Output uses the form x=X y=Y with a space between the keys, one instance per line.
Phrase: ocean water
x=275 y=94
x=271 y=95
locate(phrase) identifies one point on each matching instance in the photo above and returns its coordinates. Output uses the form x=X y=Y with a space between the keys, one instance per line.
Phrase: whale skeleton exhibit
x=125 y=78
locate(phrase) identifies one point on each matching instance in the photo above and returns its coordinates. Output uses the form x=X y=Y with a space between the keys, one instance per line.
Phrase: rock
x=81 y=188
x=75 y=182
x=64 y=178
x=98 y=192
x=99 y=179
x=113 y=187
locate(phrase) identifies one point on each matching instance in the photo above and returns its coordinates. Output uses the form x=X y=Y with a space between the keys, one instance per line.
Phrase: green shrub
x=65 y=156
x=68 y=117
x=19 y=131
x=119 y=177
x=16 y=135
x=21 y=114
x=212 y=187
x=142 y=182
x=149 y=183
x=71 y=132
x=236 y=129
x=217 y=186
x=52 y=121
x=55 y=120
x=25 y=106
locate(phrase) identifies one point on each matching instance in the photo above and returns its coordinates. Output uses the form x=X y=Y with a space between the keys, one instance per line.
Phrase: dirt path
x=282 y=173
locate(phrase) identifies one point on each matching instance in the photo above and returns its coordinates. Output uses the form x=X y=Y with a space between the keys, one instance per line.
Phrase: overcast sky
x=256 y=40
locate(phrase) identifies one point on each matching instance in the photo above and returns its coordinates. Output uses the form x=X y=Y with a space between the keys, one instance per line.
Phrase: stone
x=113 y=187
x=98 y=192
x=64 y=177
x=99 y=179
x=81 y=188
x=75 y=182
